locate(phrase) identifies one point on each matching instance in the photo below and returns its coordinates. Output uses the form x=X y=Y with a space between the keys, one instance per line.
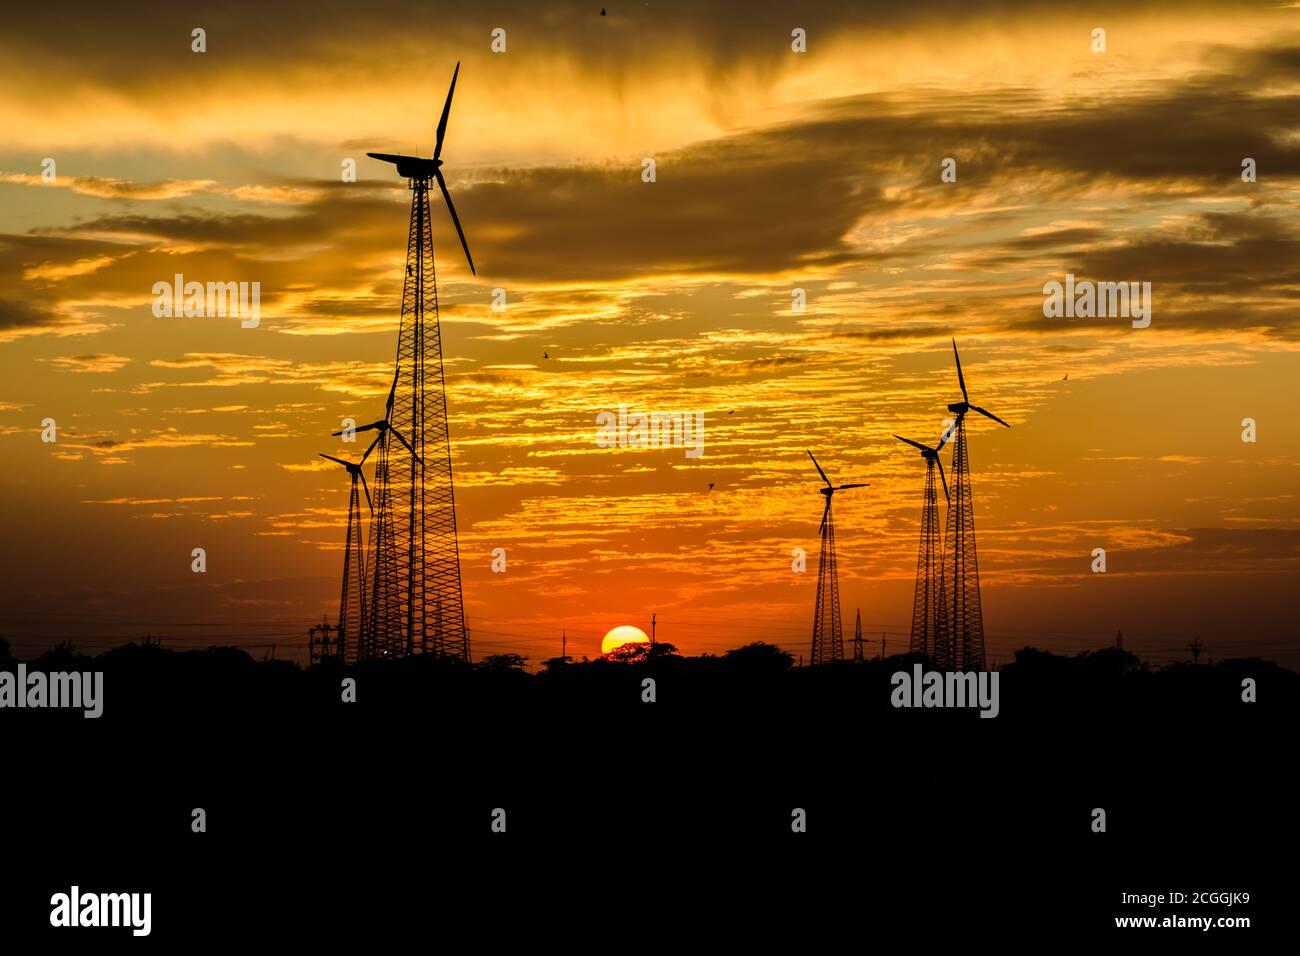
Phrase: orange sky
x=775 y=171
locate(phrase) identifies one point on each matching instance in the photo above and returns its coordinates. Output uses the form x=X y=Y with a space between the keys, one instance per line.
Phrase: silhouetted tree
x=62 y=656
x=760 y=656
x=641 y=651
x=503 y=662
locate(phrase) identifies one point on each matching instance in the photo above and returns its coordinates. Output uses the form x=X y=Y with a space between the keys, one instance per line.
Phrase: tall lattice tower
x=962 y=643
x=961 y=639
x=828 y=632
x=857 y=638
x=385 y=591
x=380 y=590
x=418 y=599
x=927 y=635
x=353 y=597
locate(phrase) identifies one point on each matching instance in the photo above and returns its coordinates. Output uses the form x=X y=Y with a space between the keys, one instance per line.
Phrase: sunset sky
x=775 y=171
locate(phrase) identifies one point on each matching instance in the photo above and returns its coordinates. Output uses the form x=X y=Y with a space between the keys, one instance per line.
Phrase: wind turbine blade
x=392 y=392
x=943 y=440
x=914 y=444
x=407 y=444
x=364 y=428
x=332 y=458
x=825 y=514
x=819 y=470
x=442 y=184
x=946 y=496
x=988 y=414
x=371 y=448
x=366 y=489
x=446 y=110
x=842 y=487
x=960 y=378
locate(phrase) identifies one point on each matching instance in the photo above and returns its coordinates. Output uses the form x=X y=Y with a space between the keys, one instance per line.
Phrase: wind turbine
x=828 y=635
x=960 y=641
x=373 y=640
x=352 y=597
x=928 y=602
x=418 y=554
x=419 y=169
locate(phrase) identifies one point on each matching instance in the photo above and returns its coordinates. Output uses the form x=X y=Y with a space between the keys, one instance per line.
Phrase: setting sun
x=623 y=634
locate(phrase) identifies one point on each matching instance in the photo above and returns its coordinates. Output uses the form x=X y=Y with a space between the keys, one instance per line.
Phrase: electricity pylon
x=857 y=639
x=418 y=552
x=928 y=600
x=828 y=634
x=961 y=639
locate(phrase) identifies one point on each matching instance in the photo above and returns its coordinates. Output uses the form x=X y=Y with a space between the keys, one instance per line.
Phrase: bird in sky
x=546 y=355
x=1067 y=377
x=710 y=486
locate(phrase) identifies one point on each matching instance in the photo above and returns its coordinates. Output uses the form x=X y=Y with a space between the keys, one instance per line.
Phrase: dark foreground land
x=225 y=684
x=329 y=821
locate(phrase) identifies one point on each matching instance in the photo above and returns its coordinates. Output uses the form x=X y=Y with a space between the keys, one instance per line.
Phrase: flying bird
x=546 y=355
x=1067 y=377
x=710 y=486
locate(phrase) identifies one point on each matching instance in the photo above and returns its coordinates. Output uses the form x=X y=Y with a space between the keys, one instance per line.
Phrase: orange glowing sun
x=623 y=634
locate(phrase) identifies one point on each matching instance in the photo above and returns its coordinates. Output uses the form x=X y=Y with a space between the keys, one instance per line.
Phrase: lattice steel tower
x=382 y=592
x=353 y=597
x=928 y=600
x=828 y=632
x=961 y=640
x=419 y=606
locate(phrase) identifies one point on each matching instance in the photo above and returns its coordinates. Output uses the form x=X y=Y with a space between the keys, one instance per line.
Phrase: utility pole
x=1195 y=647
x=652 y=627
x=883 y=642
x=1119 y=639
x=564 y=645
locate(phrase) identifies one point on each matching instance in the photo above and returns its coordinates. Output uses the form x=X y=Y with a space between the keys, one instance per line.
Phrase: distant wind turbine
x=352 y=596
x=928 y=602
x=961 y=638
x=828 y=634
